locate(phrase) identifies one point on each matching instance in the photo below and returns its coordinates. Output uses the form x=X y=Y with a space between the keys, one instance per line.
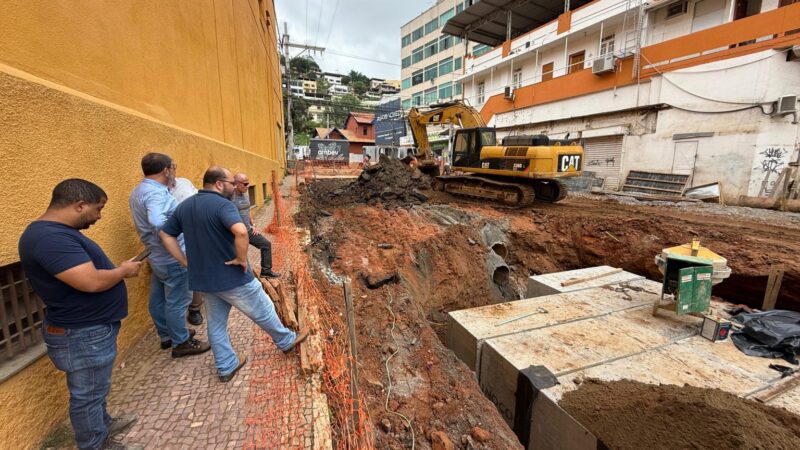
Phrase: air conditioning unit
x=785 y=105
x=508 y=93
x=603 y=64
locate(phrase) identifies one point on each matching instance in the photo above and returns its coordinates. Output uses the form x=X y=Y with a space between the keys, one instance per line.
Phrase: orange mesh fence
x=350 y=421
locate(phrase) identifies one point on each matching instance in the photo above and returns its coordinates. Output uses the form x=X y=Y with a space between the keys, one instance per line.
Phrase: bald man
x=242 y=201
x=216 y=256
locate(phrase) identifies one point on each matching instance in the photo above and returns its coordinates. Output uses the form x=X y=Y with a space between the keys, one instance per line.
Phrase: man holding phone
x=86 y=299
x=151 y=205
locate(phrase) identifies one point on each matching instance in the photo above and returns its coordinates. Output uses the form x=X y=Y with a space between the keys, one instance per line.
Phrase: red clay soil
x=630 y=415
x=436 y=268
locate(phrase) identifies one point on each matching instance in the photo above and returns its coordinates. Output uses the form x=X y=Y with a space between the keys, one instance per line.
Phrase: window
x=457 y=40
x=431 y=48
x=459 y=7
x=480 y=50
x=416 y=56
x=458 y=88
x=431 y=72
x=445 y=90
x=676 y=9
x=22 y=311
x=416 y=99
x=406 y=83
x=406 y=40
x=445 y=66
x=457 y=64
x=406 y=103
x=364 y=130
x=430 y=96
x=416 y=77
x=607 y=45
x=576 y=61
x=251 y=194
x=445 y=42
x=516 y=79
x=431 y=26
x=406 y=62
x=446 y=16
x=417 y=34
x=547 y=71
x=481 y=92
x=264 y=192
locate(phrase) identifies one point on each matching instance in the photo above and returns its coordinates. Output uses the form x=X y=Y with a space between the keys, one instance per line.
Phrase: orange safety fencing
x=350 y=420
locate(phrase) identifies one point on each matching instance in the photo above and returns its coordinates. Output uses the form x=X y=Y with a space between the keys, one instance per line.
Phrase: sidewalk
x=182 y=404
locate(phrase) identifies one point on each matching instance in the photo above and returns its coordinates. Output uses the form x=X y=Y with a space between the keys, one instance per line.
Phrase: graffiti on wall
x=771 y=161
x=608 y=162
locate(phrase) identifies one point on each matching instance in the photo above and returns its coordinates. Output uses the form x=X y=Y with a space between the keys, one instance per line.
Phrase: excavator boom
x=456 y=113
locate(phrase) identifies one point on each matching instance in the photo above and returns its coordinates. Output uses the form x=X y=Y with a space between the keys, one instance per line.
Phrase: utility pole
x=286 y=44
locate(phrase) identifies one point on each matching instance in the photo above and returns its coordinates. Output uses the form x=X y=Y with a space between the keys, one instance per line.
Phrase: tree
x=355 y=75
x=304 y=66
x=342 y=106
x=359 y=87
x=322 y=85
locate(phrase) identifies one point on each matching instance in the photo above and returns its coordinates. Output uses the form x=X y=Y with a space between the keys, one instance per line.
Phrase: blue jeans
x=251 y=300
x=169 y=301
x=87 y=356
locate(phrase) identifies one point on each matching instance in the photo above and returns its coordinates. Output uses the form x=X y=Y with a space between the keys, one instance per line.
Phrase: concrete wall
x=86 y=89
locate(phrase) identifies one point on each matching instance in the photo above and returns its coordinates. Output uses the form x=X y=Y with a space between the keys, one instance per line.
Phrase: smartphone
x=142 y=256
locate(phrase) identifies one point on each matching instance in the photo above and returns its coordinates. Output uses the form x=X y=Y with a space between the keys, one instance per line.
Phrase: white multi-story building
x=333 y=78
x=430 y=60
x=704 y=88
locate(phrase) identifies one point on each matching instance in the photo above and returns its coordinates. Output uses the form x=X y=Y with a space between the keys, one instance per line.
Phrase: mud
x=630 y=415
x=436 y=251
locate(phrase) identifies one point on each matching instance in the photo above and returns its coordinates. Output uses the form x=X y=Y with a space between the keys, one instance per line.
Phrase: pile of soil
x=390 y=182
x=627 y=414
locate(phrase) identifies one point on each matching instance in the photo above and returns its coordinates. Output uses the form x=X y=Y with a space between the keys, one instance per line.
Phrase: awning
x=485 y=21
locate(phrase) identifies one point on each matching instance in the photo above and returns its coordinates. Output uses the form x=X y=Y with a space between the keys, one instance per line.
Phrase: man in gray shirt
x=242 y=201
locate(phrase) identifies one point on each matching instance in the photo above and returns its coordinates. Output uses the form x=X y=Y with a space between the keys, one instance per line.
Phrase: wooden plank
x=773 y=287
x=303 y=325
x=778 y=388
x=648 y=188
x=351 y=330
x=682 y=183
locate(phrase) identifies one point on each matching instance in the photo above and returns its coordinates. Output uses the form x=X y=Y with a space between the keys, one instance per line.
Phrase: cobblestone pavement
x=182 y=404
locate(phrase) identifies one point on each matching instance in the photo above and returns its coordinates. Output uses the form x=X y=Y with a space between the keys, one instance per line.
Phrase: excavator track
x=513 y=194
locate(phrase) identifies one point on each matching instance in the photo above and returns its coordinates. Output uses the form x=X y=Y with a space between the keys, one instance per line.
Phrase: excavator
x=514 y=173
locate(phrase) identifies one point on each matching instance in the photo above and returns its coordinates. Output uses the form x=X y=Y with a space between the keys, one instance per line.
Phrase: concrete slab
x=550 y=283
x=468 y=328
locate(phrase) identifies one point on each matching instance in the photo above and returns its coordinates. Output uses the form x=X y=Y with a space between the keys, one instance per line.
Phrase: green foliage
x=304 y=66
x=322 y=85
x=355 y=76
x=359 y=87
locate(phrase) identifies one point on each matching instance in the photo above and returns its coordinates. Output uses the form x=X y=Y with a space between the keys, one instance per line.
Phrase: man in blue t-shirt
x=86 y=299
x=216 y=256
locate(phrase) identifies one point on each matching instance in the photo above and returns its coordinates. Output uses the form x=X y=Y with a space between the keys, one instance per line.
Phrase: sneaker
x=121 y=423
x=113 y=444
x=229 y=377
x=190 y=347
x=194 y=317
x=297 y=340
x=269 y=273
x=168 y=343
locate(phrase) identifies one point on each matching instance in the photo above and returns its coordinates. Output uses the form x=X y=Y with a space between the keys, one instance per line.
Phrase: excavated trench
x=449 y=255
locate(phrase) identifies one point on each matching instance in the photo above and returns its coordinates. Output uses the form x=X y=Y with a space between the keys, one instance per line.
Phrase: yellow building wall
x=86 y=89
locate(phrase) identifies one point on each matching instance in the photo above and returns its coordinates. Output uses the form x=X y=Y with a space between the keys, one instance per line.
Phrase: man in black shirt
x=86 y=299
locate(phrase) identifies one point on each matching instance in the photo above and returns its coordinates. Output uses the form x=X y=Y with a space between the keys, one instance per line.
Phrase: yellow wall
x=86 y=89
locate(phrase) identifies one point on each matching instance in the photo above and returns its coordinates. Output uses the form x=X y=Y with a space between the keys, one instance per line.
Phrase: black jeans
x=260 y=242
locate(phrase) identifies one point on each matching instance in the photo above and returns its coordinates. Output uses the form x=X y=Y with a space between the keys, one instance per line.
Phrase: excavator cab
x=468 y=143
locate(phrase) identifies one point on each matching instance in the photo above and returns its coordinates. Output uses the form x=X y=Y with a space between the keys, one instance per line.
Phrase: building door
x=547 y=71
x=576 y=61
x=684 y=159
x=603 y=156
x=787 y=2
x=746 y=8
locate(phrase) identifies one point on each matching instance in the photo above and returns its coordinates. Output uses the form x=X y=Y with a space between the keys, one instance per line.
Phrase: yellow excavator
x=514 y=173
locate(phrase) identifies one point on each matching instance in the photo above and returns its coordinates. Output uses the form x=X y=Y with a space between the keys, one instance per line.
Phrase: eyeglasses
x=227 y=181
x=244 y=183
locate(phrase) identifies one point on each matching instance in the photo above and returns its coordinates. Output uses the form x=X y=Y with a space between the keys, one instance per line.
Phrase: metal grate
x=21 y=312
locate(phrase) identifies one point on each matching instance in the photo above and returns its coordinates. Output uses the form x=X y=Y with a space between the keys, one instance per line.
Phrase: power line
x=330 y=30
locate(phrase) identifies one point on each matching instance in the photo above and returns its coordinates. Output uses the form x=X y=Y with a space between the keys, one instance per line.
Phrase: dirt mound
x=626 y=414
x=390 y=182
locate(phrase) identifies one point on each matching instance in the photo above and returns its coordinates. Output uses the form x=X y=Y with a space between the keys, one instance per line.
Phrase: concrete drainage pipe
x=497 y=268
x=494 y=238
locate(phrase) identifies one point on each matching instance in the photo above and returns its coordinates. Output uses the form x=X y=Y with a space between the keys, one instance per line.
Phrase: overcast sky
x=367 y=29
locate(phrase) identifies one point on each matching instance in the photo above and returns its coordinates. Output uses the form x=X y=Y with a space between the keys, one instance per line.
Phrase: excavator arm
x=456 y=113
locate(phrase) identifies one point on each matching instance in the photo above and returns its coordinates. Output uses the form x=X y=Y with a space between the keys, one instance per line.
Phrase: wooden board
x=549 y=284
x=468 y=328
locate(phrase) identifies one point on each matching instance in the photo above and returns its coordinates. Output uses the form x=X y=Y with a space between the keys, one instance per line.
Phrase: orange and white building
x=706 y=88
